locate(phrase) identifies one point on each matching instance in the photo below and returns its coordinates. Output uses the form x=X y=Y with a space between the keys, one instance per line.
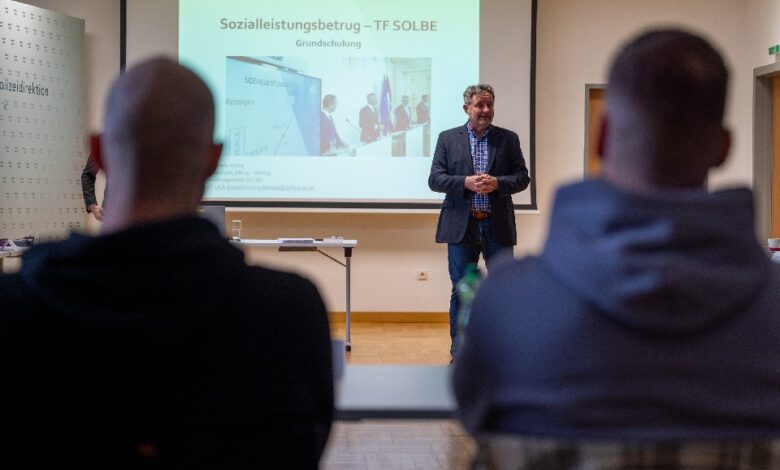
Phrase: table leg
x=348 y=310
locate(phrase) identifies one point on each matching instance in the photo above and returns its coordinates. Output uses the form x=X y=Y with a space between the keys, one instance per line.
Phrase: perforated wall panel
x=42 y=129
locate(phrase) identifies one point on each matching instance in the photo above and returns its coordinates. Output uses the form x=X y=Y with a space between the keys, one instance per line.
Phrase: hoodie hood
x=678 y=261
x=156 y=271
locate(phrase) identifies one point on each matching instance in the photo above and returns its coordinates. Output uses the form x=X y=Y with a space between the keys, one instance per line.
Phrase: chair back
x=504 y=452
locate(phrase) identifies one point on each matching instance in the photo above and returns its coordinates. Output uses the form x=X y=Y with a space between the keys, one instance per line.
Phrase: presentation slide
x=252 y=89
x=339 y=104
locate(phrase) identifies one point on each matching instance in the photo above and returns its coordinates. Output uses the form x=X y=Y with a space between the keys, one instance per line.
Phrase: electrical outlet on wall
x=422 y=275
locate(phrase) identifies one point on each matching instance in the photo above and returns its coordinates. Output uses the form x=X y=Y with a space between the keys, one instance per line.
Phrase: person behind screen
x=403 y=115
x=182 y=355
x=478 y=166
x=423 y=110
x=329 y=137
x=369 y=120
x=88 y=177
x=652 y=312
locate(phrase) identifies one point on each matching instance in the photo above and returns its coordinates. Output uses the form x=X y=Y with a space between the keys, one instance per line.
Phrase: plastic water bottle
x=467 y=289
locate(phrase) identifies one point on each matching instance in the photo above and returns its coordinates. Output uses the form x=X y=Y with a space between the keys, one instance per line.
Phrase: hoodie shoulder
x=13 y=289
x=511 y=284
x=17 y=300
x=292 y=292
x=519 y=294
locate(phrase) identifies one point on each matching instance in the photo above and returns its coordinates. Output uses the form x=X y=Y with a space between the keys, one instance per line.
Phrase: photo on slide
x=325 y=106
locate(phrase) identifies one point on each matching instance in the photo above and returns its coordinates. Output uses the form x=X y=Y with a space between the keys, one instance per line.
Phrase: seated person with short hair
x=652 y=313
x=182 y=356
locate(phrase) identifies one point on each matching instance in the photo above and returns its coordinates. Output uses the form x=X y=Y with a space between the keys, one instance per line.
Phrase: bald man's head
x=665 y=106
x=157 y=138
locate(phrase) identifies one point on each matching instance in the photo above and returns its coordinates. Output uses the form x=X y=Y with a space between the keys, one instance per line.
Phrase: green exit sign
x=774 y=49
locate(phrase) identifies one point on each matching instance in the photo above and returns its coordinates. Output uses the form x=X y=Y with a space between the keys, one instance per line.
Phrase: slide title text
x=320 y=25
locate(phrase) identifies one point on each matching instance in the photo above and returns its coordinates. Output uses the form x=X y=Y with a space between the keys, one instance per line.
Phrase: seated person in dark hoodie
x=652 y=312
x=187 y=357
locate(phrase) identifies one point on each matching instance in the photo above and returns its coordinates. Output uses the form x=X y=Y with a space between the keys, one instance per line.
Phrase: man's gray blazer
x=452 y=162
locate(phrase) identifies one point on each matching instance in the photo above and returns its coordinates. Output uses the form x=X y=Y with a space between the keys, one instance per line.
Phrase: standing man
x=329 y=137
x=88 y=177
x=403 y=115
x=478 y=166
x=423 y=110
x=369 y=120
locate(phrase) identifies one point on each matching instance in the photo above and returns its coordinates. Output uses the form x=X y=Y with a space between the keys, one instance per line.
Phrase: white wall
x=165 y=41
x=763 y=25
x=575 y=42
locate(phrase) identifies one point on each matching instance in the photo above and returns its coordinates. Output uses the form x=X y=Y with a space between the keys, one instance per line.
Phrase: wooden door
x=775 y=184
x=595 y=100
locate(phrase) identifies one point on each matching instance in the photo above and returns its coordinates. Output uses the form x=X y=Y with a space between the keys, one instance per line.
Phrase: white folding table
x=315 y=245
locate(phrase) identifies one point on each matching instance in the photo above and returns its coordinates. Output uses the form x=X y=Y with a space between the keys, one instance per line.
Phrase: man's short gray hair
x=477 y=89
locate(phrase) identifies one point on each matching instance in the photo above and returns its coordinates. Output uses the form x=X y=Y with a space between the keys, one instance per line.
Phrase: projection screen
x=338 y=104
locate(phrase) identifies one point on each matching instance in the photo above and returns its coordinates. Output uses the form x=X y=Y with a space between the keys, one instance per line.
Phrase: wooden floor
x=397 y=444
x=396 y=343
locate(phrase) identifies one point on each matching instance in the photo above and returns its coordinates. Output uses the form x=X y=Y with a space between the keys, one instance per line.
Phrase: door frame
x=762 y=147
